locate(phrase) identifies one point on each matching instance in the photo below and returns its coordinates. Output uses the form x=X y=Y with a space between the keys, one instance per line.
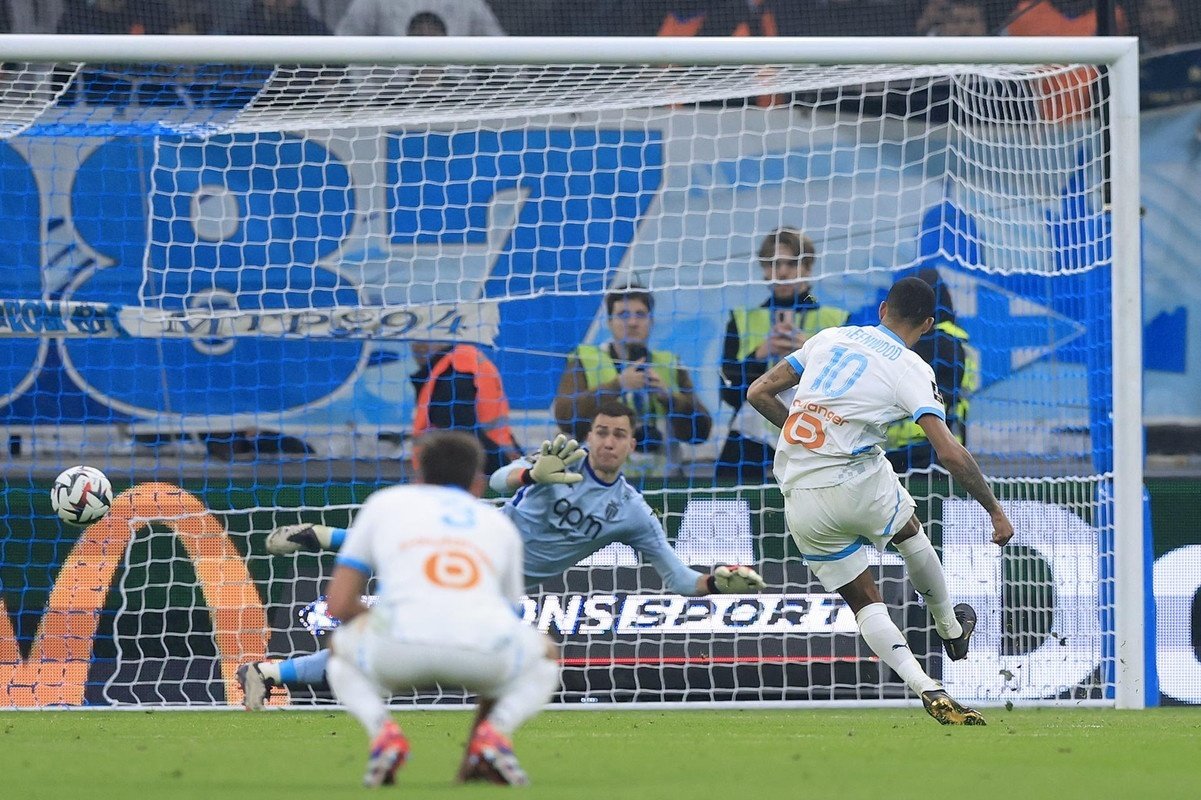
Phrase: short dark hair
x=616 y=408
x=629 y=292
x=911 y=300
x=449 y=458
x=427 y=23
x=791 y=238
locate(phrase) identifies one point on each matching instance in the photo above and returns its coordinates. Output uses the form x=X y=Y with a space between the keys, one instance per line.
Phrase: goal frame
x=1119 y=55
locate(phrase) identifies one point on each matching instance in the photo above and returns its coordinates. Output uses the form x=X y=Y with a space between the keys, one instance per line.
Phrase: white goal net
x=219 y=269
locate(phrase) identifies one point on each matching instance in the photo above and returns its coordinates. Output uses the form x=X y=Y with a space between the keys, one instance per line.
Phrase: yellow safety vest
x=754 y=324
x=599 y=368
x=907 y=432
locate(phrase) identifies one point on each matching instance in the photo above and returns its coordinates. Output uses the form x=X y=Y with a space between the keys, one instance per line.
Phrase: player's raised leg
x=888 y=643
x=489 y=756
x=954 y=624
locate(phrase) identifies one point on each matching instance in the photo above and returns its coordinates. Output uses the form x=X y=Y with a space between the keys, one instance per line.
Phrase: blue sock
x=304 y=670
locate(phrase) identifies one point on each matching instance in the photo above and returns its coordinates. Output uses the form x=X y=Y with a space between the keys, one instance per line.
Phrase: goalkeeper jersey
x=855 y=382
x=437 y=552
x=562 y=524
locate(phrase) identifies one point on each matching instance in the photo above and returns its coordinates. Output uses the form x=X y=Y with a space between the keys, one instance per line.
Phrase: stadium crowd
x=1160 y=23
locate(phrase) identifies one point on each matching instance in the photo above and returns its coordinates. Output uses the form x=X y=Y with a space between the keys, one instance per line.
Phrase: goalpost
x=221 y=247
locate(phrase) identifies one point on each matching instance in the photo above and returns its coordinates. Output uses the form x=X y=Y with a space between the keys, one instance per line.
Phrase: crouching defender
x=567 y=502
x=450 y=571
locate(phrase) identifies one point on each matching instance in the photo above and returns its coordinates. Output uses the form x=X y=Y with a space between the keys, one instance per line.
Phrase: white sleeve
x=356 y=550
x=918 y=395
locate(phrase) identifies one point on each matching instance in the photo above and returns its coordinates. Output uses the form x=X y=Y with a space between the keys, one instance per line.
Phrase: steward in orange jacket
x=458 y=388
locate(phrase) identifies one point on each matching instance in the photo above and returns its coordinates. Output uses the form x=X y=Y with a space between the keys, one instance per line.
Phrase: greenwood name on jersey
x=855 y=382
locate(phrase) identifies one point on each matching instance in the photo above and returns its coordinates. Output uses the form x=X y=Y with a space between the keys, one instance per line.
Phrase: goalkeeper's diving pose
x=567 y=502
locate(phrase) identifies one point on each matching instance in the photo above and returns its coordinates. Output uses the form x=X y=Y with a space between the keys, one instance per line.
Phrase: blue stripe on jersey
x=924 y=410
x=858 y=451
x=520 y=494
x=843 y=553
x=795 y=363
x=889 y=333
x=353 y=563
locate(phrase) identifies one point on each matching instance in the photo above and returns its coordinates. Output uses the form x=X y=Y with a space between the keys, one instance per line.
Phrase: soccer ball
x=81 y=495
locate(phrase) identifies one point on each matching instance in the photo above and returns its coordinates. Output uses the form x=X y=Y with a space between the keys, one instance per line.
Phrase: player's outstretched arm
x=963 y=467
x=551 y=464
x=763 y=392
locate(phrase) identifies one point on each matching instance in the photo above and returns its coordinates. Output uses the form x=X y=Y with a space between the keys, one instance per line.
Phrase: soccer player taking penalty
x=840 y=492
x=567 y=502
x=451 y=577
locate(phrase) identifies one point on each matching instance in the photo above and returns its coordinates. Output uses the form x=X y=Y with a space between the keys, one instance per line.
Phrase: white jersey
x=854 y=383
x=438 y=555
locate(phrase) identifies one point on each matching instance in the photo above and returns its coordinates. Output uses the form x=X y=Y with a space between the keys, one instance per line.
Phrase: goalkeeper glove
x=307 y=538
x=552 y=461
x=735 y=579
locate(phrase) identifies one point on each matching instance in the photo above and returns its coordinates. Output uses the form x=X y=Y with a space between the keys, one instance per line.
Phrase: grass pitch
x=894 y=753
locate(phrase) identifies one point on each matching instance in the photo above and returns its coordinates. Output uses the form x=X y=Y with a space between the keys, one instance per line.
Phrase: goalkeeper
x=567 y=502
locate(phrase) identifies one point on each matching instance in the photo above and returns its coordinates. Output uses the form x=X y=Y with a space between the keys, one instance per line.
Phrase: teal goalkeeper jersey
x=561 y=524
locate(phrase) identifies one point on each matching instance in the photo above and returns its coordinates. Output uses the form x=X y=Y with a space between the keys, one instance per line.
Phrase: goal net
x=239 y=287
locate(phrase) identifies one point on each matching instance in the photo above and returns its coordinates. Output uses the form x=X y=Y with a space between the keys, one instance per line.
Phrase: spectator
x=112 y=17
x=458 y=388
x=652 y=382
x=756 y=338
x=393 y=17
x=278 y=18
x=952 y=18
x=1159 y=25
x=33 y=16
x=1059 y=18
x=1067 y=95
x=427 y=24
x=956 y=374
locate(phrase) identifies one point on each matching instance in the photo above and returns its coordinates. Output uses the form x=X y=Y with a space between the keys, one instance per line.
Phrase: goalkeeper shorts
x=831 y=525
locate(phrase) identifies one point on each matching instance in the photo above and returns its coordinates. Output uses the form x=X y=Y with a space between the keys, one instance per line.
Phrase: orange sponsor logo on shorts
x=452 y=569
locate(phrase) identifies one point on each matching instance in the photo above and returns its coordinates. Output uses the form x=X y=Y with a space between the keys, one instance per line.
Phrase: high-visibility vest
x=907 y=432
x=754 y=324
x=491 y=404
x=599 y=368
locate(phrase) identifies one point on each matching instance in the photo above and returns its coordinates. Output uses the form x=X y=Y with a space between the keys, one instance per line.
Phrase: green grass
x=885 y=753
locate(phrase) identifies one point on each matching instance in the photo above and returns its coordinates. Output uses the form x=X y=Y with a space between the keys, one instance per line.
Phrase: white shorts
x=831 y=524
x=495 y=655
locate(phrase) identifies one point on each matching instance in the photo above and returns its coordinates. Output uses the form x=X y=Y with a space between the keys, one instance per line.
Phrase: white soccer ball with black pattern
x=81 y=495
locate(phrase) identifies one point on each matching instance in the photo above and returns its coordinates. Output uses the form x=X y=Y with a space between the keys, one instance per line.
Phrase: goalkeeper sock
x=361 y=696
x=886 y=641
x=926 y=575
x=525 y=696
x=306 y=670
